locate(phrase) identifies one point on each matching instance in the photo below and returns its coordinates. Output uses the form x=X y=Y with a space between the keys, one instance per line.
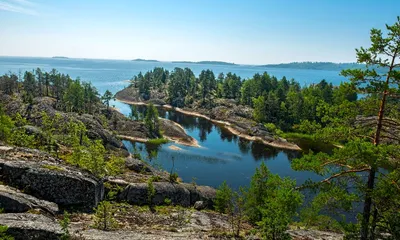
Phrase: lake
x=222 y=156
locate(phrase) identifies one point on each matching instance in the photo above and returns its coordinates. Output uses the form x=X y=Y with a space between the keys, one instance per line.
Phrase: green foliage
x=223 y=198
x=182 y=85
x=93 y=158
x=72 y=95
x=272 y=128
x=53 y=167
x=6 y=125
x=167 y=201
x=173 y=177
x=307 y=126
x=369 y=150
x=151 y=192
x=104 y=216
x=325 y=204
x=114 y=165
x=157 y=141
x=3 y=233
x=113 y=190
x=64 y=223
x=152 y=122
x=271 y=203
x=106 y=98
x=134 y=114
x=12 y=132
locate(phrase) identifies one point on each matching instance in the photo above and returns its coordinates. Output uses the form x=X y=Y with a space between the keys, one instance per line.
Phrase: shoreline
x=193 y=143
x=225 y=124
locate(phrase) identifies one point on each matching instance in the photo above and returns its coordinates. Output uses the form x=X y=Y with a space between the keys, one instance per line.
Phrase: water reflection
x=204 y=128
x=222 y=155
x=244 y=145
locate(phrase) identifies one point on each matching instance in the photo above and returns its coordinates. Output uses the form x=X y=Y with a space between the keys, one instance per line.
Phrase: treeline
x=281 y=102
x=328 y=66
x=71 y=95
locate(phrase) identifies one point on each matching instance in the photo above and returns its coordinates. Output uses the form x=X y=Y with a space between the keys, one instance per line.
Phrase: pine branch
x=327 y=180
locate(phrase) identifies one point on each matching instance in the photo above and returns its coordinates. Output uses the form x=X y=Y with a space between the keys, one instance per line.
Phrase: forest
x=360 y=117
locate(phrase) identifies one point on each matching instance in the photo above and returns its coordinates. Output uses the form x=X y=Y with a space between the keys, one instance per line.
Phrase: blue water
x=222 y=156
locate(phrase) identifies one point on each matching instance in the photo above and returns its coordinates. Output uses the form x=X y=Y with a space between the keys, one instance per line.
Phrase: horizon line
x=172 y=61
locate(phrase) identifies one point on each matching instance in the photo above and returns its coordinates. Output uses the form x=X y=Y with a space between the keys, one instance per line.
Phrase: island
x=60 y=57
x=206 y=62
x=328 y=66
x=144 y=60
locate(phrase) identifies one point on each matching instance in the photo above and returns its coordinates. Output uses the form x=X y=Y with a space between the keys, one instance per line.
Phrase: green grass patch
x=308 y=142
x=53 y=168
x=157 y=141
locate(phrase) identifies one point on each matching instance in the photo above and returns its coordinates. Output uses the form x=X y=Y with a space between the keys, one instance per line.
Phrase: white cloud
x=23 y=2
x=18 y=6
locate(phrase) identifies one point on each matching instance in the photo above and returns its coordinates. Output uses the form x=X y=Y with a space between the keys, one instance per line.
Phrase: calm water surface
x=222 y=156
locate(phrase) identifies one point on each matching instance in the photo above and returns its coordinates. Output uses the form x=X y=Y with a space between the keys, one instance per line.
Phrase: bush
x=271 y=203
x=3 y=233
x=173 y=177
x=64 y=223
x=157 y=141
x=223 y=198
x=104 y=217
x=151 y=191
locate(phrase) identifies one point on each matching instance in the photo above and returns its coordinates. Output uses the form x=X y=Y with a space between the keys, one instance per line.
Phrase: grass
x=308 y=142
x=157 y=141
x=54 y=168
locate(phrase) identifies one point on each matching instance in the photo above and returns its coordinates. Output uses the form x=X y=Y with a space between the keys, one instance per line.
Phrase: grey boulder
x=68 y=187
x=14 y=201
x=27 y=226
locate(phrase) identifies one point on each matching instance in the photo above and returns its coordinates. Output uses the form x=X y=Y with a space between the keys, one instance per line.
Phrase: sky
x=243 y=32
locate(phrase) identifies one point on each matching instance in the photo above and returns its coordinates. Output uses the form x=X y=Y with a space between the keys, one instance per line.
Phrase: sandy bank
x=176 y=148
x=227 y=125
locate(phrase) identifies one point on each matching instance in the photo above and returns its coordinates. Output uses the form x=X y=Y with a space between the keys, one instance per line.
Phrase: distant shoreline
x=60 y=57
x=306 y=65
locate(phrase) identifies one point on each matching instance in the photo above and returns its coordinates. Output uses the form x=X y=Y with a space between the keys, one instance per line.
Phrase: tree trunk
x=371 y=176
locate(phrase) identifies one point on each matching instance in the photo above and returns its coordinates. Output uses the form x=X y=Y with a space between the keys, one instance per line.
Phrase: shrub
x=151 y=191
x=3 y=233
x=167 y=201
x=104 y=217
x=271 y=203
x=223 y=198
x=157 y=141
x=173 y=178
x=64 y=223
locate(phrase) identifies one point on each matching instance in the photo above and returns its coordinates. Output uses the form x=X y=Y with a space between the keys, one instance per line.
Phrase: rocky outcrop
x=138 y=193
x=205 y=194
x=199 y=205
x=96 y=128
x=45 y=177
x=14 y=201
x=179 y=193
x=138 y=165
x=27 y=226
x=174 y=132
x=200 y=225
x=302 y=234
x=96 y=131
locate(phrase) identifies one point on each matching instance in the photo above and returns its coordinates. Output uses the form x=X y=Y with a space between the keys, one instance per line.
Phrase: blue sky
x=247 y=32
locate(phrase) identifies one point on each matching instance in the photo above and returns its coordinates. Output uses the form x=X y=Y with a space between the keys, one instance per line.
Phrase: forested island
x=328 y=66
x=66 y=174
x=144 y=60
x=206 y=62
